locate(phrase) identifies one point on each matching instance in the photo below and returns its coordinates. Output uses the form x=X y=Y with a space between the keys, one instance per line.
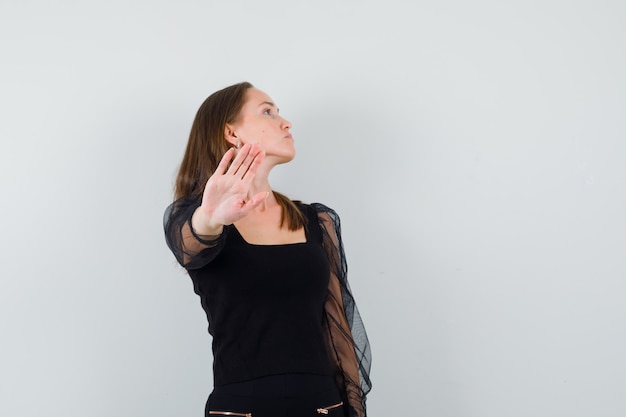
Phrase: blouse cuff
x=208 y=242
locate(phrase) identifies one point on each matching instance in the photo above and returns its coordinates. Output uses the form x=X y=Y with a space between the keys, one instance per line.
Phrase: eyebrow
x=270 y=103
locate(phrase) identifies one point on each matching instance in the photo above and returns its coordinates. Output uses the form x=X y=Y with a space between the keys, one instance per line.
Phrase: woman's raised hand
x=225 y=199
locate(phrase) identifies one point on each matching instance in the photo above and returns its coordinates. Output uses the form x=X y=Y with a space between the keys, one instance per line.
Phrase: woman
x=270 y=272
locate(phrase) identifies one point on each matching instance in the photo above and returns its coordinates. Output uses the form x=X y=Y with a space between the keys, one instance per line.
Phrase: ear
x=230 y=135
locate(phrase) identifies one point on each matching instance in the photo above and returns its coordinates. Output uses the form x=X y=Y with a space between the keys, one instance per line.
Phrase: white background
x=475 y=151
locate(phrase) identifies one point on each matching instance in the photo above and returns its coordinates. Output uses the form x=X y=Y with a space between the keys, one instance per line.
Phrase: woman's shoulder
x=316 y=207
x=323 y=208
x=184 y=201
x=181 y=207
x=321 y=211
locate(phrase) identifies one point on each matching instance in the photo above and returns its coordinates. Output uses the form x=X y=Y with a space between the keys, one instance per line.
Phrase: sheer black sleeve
x=190 y=249
x=346 y=337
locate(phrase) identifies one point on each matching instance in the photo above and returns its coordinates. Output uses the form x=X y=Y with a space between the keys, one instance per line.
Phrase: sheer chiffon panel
x=343 y=355
x=346 y=336
x=191 y=250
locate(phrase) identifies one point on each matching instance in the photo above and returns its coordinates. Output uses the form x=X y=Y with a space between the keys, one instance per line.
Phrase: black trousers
x=290 y=395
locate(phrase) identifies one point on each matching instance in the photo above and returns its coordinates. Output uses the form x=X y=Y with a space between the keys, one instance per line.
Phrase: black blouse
x=276 y=308
x=265 y=307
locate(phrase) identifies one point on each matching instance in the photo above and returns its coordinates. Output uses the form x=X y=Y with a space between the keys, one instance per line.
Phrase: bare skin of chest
x=262 y=227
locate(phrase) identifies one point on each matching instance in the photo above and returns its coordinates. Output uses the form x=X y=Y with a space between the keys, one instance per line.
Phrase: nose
x=285 y=124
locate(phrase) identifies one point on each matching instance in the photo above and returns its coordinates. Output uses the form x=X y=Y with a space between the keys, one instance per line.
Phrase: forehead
x=255 y=97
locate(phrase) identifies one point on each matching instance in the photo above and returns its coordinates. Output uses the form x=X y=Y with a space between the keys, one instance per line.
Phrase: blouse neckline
x=241 y=238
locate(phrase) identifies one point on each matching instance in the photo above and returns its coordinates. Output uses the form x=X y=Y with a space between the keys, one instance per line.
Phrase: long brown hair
x=207 y=145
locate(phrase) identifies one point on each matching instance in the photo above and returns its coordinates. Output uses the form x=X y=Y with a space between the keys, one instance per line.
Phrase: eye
x=267 y=112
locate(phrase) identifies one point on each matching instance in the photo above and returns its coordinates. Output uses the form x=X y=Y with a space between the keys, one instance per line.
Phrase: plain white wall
x=475 y=151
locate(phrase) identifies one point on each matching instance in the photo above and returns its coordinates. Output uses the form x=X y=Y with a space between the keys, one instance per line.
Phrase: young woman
x=270 y=272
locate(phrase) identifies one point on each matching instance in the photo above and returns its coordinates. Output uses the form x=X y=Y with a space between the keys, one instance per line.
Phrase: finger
x=254 y=165
x=249 y=159
x=243 y=166
x=241 y=156
x=256 y=200
x=259 y=198
x=228 y=156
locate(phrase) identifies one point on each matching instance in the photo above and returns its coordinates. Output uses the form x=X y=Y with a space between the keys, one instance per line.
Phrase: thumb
x=258 y=198
x=255 y=201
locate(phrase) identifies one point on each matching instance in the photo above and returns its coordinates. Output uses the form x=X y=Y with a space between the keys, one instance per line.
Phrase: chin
x=287 y=159
x=283 y=159
x=279 y=159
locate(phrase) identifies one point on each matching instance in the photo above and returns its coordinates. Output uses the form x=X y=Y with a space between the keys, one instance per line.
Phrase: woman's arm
x=191 y=249
x=346 y=337
x=195 y=224
x=342 y=349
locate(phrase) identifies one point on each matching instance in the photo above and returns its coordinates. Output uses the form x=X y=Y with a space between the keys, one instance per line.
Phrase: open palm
x=225 y=199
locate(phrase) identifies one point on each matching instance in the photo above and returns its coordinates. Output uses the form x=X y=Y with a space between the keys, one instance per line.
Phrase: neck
x=261 y=184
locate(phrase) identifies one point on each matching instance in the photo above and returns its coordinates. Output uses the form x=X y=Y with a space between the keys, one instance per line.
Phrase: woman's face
x=259 y=122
